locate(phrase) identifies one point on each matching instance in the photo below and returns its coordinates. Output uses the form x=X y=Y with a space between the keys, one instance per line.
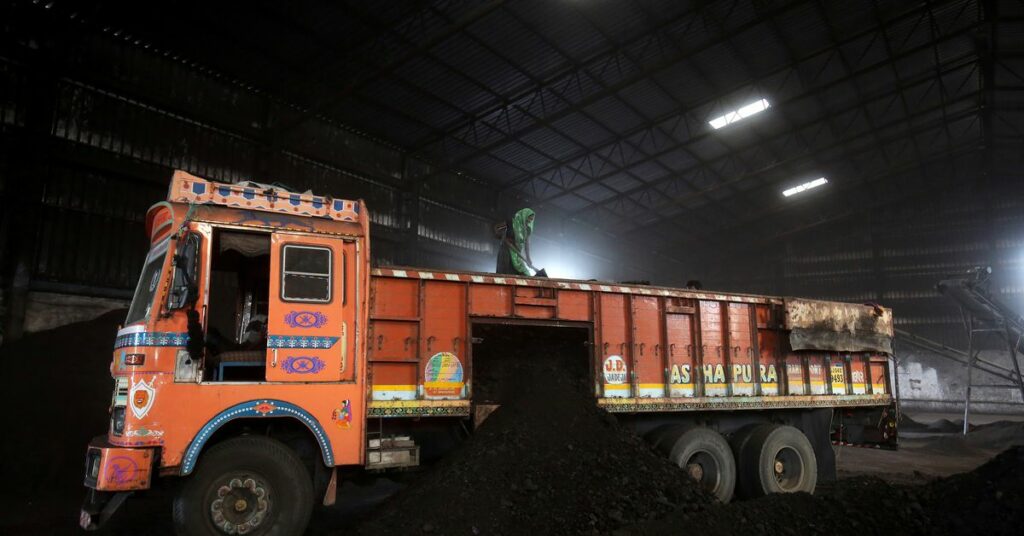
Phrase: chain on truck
x=262 y=354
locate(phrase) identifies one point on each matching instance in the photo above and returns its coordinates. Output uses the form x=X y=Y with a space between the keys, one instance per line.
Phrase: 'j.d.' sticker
x=614 y=370
x=442 y=377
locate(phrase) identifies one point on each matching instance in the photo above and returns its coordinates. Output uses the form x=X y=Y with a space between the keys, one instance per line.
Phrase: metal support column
x=971 y=357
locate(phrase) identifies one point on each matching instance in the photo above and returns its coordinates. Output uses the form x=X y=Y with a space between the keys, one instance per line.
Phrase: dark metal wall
x=897 y=256
x=92 y=125
x=93 y=121
x=942 y=218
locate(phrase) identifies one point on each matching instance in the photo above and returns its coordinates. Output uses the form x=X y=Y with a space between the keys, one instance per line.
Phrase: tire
x=259 y=474
x=657 y=437
x=739 y=439
x=706 y=456
x=775 y=459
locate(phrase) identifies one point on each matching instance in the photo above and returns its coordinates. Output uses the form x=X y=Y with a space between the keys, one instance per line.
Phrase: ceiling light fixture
x=742 y=113
x=805 y=186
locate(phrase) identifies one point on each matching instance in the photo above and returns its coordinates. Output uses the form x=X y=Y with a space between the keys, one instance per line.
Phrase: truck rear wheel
x=775 y=459
x=706 y=457
x=246 y=485
x=656 y=437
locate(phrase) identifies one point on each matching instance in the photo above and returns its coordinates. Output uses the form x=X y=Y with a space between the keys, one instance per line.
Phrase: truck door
x=679 y=328
x=712 y=351
x=616 y=366
x=648 y=359
x=311 y=314
x=445 y=365
x=741 y=349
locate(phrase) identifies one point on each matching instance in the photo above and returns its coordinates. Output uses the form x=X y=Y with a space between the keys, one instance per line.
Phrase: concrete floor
x=923 y=456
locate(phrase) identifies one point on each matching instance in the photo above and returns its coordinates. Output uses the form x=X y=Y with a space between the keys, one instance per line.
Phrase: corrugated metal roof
x=623 y=91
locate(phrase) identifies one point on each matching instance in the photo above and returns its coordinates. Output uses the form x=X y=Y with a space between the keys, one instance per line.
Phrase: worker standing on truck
x=514 y=252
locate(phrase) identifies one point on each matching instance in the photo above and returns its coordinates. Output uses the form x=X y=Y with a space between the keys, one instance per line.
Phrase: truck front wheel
x=246 y=485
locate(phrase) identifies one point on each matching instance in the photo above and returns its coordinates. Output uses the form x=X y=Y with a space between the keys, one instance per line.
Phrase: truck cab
x=249 y=314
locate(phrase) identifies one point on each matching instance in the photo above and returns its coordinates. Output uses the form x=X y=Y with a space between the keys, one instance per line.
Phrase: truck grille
x=120 y=392
x=118 y=406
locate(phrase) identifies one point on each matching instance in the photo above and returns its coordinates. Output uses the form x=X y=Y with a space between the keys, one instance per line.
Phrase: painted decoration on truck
x=186 y=188
x=257 y=408
x=769 y=379
x=300 y=364
x=150 y=338
x=680 y=380
x=343 y=415
x=859 y=381
x=614 y=370
x=142 y=395
x=443 y=376
x=121 y=470
x=144 y=432
x=794 y=376
x=816 y=373
x=292 y=341
x=615 y=374
x=837 y=372
x=713 y=375
x=394 y=392
x=305 y=319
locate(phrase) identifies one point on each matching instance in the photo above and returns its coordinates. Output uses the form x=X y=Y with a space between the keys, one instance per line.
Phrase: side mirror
x=186 y=263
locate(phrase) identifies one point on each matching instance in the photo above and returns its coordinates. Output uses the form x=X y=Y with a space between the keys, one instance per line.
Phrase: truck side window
x=306 y=274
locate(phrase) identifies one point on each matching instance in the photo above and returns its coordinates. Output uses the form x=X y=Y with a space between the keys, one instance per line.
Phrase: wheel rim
x=788 y=468
x=704 y=469
x=240 y=504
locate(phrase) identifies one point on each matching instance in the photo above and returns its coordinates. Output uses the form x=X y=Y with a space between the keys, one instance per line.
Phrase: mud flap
x=99 y=506
x=816 y=425
x=331 y=493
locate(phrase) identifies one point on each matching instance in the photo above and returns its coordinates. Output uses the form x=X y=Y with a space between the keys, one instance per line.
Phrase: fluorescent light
x=742 y=113
x=805 y=186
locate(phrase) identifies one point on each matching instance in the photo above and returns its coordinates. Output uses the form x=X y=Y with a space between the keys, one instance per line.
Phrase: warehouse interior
x=658 y=141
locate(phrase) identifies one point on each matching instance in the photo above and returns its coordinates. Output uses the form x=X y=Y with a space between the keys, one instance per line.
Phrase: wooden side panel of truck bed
x=654 y=349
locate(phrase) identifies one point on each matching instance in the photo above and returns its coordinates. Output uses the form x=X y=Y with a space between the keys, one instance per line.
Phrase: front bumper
x=112 y=473
x=112 y=468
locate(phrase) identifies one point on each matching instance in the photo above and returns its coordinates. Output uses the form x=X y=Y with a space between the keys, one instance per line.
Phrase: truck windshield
x=148 y=282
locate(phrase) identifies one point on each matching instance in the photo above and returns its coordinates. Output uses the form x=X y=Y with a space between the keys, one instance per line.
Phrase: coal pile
x=988 y=500
x=56 y=391
x=547 y=462
x=996 y=436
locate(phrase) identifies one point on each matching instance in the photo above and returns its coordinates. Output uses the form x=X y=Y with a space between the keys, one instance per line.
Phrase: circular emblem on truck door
x=614 y=370
x=443 y=376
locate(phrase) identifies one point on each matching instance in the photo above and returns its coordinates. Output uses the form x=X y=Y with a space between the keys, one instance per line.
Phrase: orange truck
x=262 y=354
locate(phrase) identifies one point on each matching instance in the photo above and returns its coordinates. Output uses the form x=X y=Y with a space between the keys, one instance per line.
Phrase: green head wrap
x=522 y=228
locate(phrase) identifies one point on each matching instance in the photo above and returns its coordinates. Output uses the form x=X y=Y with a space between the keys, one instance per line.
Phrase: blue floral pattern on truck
x=151 y=338
x=297 y=341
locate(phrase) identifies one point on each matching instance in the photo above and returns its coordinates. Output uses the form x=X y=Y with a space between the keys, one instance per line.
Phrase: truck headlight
x=117 y=420
x=94 y=465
